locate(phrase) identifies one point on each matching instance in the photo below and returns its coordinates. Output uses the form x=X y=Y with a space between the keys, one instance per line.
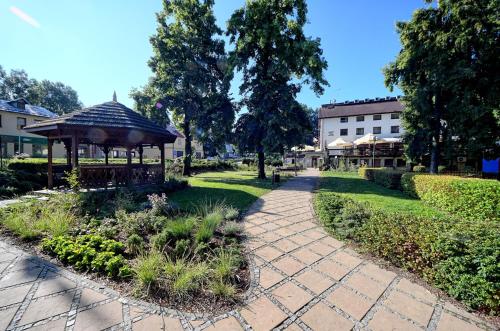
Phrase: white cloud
x=25 y=17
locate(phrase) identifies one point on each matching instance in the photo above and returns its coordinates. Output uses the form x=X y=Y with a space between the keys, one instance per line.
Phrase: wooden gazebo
x=107 y=125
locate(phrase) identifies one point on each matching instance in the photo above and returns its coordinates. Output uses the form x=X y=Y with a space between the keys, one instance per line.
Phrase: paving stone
x=256 y=230
x=409 y=307
x=254 y=243
x=7 y=257
x=384 y=320
x=286 y=245
x=301 y=239
x=306 y=255
x=135 y=311
x=23 y=264
x=350 y=302
x=268 y=253
x=450 y=322
x=157 y=322
x=20 y=277
x=289 y=265
x=377 y=273
x=315 y=234
x=228 y=323
x=332 y=242
x=99 y=317
x=13 y=295
x=90 y=296
x=6 y=316
x=270 y=237
x=262 y=314
x=346 y=259
x=461 y=312
x=321 y=317
x=416 y=290
x=365 y=285
x=293 y=327
x=57 y=325
x=269 y=277
x=292 y=296
x=269 y=226
x=54 y=285
x=314 y=281
x=285 y=232
x=320 y=248
x=3 y=266
x=332 y=269
x=47 y=307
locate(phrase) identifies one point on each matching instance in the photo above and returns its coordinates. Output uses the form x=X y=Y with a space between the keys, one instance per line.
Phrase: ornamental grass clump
x=148 y=269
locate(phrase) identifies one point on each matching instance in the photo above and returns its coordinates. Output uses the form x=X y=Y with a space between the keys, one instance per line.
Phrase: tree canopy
x=276 y=60
x=55 y=96
x=189 y=65
x=448 y=69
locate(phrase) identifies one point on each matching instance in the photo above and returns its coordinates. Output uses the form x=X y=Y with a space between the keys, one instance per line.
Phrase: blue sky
x=99 y=46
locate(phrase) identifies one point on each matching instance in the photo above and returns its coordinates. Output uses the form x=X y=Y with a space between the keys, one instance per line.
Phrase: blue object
x=491 y=166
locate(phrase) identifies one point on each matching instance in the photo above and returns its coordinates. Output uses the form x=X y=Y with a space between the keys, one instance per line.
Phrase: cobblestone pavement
x=301 y=279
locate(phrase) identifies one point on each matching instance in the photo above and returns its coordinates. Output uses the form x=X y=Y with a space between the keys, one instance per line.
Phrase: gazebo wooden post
x=50 y=179
x=162 y=160
x=129 y=164
x=67 y=146
x=74 y=151
x=105 y=149
x=141 y=150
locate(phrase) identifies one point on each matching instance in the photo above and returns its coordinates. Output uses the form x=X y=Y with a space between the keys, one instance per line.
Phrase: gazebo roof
x=106 y=122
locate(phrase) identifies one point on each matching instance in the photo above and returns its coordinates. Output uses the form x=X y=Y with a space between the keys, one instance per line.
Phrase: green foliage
x=34 y=218
x=54 y=96
x=386 y=177
x=343 y=216
x=135 y=244
x=367 y=173
x=71 y=178
x=447 y=71
x=199 y=166
x=184 y=277
x=89 y=252
x=419 y=168
x=148 y=269
x=225 y=264
x=469 y=198
x=271 y=49
x=232 y=229
x=189 y=67
x=458 y=255
x=222 y=289
x=208 y=226
x=14 y=182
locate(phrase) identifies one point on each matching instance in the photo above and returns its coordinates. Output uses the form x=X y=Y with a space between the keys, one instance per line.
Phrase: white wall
x=330 y=128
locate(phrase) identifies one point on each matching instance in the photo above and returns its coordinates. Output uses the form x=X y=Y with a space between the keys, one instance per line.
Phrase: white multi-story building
x=363 y=131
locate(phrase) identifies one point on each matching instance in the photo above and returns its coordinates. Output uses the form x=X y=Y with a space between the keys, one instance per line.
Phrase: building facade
x=363 y=132
x=14 y=116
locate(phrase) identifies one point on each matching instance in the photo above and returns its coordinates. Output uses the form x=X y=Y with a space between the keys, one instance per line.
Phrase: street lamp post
x=373 y=152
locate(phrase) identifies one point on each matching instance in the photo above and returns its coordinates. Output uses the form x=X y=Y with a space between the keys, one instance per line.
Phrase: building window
x=395 y=129
x=394 y=116
x=116 y=153
x=198 y=155
x=21 y=123
x=377 y=117
x=330 y=133
x=0 y=121
x=360 y=118
x=180 y=153
x=344 y=120
x=360 y=131
x=37 y=150
x=343 y=132
x=377 y=129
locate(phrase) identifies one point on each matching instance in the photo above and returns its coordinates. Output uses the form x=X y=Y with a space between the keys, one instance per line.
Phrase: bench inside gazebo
x=108 y=125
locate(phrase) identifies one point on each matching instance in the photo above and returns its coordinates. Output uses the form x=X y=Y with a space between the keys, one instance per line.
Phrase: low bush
x=458 y=255
x=208 y=226
x=135 y=244
x=198 y=166
x=367 y=173
x=89 y=252
x=183 y=277
x=469 y=198
x=386 y=177
x=31 y=219
x=148 y=269
x=419 y=168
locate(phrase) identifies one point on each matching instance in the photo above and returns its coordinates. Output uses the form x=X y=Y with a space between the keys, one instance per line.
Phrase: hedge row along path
x=301 y=279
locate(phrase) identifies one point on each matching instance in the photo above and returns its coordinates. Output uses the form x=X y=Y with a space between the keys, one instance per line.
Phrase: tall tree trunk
x=186 y=127
x=260 y=155
x=436 y=136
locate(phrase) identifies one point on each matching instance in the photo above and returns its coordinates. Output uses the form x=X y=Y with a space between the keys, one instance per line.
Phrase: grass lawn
x=351 y=185
x=237 y=188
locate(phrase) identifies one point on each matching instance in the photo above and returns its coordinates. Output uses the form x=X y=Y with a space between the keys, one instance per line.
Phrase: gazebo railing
x=119 y=175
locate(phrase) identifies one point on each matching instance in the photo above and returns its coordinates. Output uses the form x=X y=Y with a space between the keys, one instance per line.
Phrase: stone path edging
x=301 y=279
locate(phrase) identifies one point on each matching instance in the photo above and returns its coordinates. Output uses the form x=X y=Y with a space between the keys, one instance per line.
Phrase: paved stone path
x=302 y=279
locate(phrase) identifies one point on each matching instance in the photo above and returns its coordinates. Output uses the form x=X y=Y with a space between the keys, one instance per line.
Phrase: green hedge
x=386 y=177
x=457 y=255
x=469 y=198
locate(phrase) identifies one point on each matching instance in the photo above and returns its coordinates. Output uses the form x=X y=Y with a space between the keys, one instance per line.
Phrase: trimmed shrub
x=470 y=198
x=419 y=168
x=367 y=173
x=387 y=178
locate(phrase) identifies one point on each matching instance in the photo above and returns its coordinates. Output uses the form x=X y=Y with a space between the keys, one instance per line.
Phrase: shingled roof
x=107 y=116
x=361 y=107
x=11 y=106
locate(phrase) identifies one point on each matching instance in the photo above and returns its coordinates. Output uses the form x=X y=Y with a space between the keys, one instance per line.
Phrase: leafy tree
x=276 y=60
x=147 y=103
x=448 y=70
x=55 y=96
x=313 y=136
x=189 y=66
